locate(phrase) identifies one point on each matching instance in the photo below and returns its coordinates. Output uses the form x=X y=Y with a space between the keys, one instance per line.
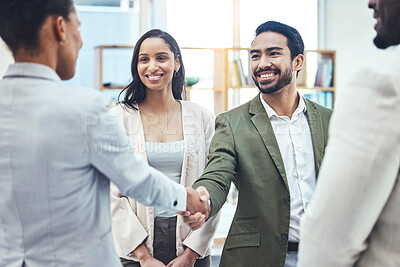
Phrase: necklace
x=161 y=130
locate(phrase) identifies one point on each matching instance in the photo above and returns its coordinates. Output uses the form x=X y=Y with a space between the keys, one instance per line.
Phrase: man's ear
x=298 y=62
x=60 y=29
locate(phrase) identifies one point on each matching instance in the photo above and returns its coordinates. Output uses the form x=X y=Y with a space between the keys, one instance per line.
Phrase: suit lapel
x=263 y=125
x=317 y=133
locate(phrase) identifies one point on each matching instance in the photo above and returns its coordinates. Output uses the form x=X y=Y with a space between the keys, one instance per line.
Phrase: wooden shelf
x=99 y=61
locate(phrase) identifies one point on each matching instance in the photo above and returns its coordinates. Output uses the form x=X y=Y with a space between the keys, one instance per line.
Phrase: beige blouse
x=132 y=223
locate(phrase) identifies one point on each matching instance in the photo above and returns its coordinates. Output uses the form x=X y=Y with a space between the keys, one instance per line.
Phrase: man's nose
x=264 y=62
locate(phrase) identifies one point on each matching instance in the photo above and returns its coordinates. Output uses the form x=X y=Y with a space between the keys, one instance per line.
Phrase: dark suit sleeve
x=222 y=165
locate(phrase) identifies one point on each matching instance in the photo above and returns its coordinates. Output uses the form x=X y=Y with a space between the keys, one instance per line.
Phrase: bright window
x=302 y=15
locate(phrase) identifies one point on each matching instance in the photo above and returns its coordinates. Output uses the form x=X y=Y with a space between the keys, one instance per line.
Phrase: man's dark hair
x=135 y=92
x=21 y=20
x=294 y=40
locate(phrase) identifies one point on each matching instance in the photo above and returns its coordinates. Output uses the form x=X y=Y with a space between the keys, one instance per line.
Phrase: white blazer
x=132 y=222
x=59 y=146
x=354 y=217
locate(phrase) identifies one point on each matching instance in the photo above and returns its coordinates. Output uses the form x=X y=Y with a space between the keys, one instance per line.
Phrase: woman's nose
x=153 y=66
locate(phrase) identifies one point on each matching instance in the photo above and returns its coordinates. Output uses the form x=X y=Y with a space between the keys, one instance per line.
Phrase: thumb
x=204 y=195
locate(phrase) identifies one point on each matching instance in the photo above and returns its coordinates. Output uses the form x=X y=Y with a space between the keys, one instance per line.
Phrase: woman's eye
x=143 y=59
x=162 y=58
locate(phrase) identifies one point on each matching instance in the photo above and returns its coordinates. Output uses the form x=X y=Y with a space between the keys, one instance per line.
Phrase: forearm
x=142 y=252
x=111 y=153
x=191 y=254
x=220 y=170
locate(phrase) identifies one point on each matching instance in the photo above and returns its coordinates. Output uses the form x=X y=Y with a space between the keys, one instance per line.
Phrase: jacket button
x=286 y=200
x=175 y=203
x=284 y=238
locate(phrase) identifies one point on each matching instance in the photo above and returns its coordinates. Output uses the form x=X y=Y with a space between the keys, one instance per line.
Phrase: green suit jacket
x=244 y=151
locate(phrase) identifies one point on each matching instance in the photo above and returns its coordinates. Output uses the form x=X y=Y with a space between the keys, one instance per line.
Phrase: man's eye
x=255 y=56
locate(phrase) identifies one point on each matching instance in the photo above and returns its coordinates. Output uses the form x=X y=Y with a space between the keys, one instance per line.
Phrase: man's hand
x=197 y=201
x=197 y=207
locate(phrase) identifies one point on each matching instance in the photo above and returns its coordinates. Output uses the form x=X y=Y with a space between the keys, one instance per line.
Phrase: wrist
x=145 y=258
x=191 y=254
x=210 y=205
x=142 y=253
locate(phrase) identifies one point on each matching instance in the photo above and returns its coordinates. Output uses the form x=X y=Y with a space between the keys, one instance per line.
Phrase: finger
x=192 y=219
x=203 y=198
x=184 y=213
x=197 y=221
x=204 y=195
x=197 y=224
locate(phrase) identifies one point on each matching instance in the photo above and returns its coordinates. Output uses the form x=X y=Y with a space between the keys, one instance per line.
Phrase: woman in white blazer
x=173 y=136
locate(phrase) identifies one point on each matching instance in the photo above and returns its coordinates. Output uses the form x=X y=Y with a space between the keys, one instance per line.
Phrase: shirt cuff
x=179 y=203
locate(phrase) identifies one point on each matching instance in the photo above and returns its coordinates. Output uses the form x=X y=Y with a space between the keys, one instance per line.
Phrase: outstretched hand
x=197 y=207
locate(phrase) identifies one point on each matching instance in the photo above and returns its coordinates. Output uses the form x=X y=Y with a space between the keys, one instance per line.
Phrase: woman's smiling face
x=156 y=64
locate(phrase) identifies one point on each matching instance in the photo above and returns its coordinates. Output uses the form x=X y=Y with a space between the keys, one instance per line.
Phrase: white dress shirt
x=295 y=144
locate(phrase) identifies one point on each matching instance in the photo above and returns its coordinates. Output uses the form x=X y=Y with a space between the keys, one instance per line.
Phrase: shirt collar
x=31 y=70
x=270 y=112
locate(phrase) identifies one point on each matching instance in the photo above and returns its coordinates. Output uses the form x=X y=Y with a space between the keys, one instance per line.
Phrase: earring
x=63 y=42
x=175 y=74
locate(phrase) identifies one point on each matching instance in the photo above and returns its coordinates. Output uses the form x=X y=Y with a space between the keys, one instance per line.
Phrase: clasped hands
x=197 y=207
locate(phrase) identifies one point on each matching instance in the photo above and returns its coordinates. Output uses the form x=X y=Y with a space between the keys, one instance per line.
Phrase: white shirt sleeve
x=111 y=152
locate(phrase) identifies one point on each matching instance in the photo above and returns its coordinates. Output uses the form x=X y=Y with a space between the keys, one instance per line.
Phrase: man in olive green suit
x=271 y=148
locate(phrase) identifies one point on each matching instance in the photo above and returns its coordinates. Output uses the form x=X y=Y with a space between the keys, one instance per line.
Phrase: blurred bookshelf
x=316 y=81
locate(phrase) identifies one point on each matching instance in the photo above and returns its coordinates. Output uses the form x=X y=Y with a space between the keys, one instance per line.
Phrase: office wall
x=5 y=58
x=350 y=31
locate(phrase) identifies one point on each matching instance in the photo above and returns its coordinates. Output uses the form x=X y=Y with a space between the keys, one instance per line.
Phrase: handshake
x=197 y=207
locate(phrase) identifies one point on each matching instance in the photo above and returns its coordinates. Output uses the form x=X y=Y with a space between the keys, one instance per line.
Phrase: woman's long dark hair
x=135 y=92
